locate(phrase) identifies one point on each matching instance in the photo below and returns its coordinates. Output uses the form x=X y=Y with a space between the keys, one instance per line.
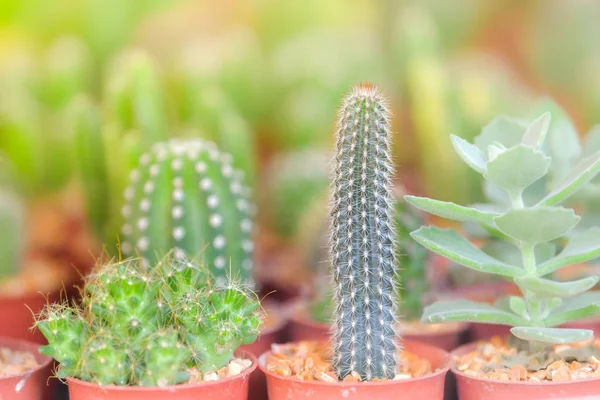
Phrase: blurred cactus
x=412 y=261
x=135 y=97
x=363 y=249
x=66 y=71
x=296 y=180
x=185 y=195
x=12 y=221
x=149 y=327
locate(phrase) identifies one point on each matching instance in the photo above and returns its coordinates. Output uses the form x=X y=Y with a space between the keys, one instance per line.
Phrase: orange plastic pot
x=30 y=385
x=588 y=323
x=475 y=388
x=270 y=335
x=19 y=311
x=302 y=328
x=234 y=388
x=430 y=387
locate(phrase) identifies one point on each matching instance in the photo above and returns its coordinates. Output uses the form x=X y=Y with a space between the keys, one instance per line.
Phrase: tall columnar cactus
x=185 y=195
x=12 y=216
x=149 y=327
x=363 y=239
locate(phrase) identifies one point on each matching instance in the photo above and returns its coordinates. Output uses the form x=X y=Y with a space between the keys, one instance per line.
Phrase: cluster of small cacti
x=363 y=252
x=149 y=326
x=186 y=195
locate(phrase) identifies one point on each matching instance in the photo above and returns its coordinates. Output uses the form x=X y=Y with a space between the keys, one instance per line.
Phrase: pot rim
x=172 y=388
x=408 y=343
x=469 y=346
x=32 y=347
x=280 y=319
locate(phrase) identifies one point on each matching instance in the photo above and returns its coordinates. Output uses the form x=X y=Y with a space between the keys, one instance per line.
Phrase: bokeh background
x=263 y=79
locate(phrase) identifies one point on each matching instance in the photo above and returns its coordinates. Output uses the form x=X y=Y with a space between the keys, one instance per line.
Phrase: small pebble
x=399 y=377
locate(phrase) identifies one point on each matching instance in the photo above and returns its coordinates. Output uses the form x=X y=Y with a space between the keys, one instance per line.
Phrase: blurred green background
x=86 y=85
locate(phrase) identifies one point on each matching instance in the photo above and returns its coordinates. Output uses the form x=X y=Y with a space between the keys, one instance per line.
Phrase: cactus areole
x=185 y=195
x=362 y=239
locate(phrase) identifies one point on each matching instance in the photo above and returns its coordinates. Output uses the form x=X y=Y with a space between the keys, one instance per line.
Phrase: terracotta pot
x=302 y=328
x=20 y=312
x=475 y=388
x=234 y=388
x=31 y=385
x=479 y=331
x=270 y=335
x=445 y=339
x=588 y=323
x=430 y=387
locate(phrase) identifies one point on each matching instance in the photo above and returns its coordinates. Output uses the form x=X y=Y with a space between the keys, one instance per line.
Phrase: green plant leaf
x=448 y=243
x=575 y=308
x=502 y=129
x=580 y=248
x=517 y=168
x=536 y=132
x=470 y=153
x=552 y=335
x=469 y=311
x=451 y=211
x=537 y=225
x=581 y=174
x=546 y=289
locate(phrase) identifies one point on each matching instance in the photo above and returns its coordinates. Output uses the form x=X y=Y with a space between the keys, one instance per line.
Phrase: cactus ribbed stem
x=363 y=239
x=186 y=196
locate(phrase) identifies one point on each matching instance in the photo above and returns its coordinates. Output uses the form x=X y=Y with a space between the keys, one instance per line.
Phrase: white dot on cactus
x=248 y=246
x=176 y=164
x=145 y=159
x=154 y=170
x=219 y=242
x=143 y=243
x=178 y=195
x=126 y=210
x=215 y=220
x=205 y=184
x=356 y=121
x=213 y=154
x=179 y=253
x=178 y=182
x=246 y=225
x=148 y=187
x=242 y=204
x=142 y=223
x=134 y=175
x=178 y=233
x=200 y=167
x=247 y=264
x=226 y=170
x=220 y=262
x=212 y=201
x=126 y=229
x=145 y=205
x=126 y=247
x=129 y=193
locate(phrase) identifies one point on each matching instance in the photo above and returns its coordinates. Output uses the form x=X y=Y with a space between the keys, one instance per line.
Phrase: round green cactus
x=150 y=326
x=186 y=196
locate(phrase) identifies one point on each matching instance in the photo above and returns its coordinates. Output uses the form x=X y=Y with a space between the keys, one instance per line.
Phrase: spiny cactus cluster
x=363 y=250
x=185 y=195
x=149 y=326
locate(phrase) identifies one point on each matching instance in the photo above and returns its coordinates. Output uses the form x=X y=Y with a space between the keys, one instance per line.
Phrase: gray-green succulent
x=511 y=158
